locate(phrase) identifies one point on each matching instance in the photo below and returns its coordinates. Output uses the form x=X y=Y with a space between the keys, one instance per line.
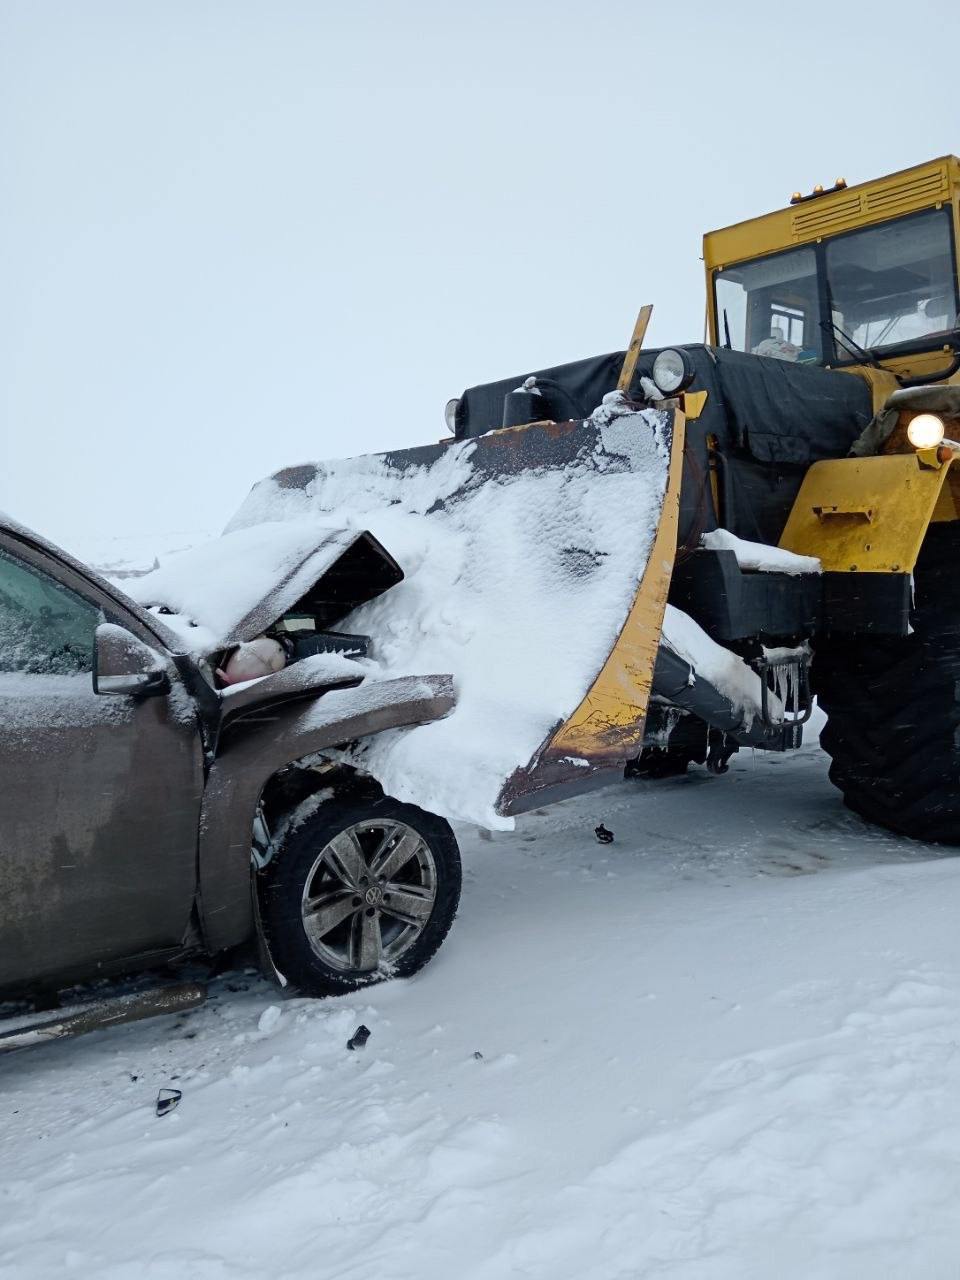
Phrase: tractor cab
x=848 y=277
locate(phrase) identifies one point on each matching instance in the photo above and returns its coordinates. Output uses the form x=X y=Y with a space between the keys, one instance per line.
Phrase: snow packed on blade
x=517 y=582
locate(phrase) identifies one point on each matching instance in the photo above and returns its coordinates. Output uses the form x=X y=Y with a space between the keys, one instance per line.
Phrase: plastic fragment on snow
x=167 y=1100
x=359 y=1037
x=603 y=835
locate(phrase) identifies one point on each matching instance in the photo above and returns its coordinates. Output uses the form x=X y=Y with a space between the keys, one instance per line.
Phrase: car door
x=99 y=794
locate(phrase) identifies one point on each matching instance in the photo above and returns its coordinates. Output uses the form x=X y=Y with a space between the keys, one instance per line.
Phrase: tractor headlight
x=925 y=431
x=672 y=371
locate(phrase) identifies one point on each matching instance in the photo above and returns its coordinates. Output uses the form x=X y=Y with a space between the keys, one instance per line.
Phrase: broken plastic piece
x=331 y=642
x=167 y=1099
x=603 y=835
x=359 y=1037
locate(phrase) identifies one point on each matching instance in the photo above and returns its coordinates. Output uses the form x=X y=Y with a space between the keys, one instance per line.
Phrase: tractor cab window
x=771 y=307
x=893 y=283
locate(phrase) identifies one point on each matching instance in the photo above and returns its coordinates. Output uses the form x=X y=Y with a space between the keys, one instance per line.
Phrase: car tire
x=363 y=889
x=893 y=708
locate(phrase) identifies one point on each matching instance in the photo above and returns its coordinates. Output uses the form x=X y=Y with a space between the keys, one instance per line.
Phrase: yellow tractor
x=864 y=279
x=803 y=519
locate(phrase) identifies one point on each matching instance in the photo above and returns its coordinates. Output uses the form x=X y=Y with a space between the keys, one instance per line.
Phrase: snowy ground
x=726 y=1046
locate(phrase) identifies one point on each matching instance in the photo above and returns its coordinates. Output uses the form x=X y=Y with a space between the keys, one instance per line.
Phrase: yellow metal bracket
x=867 y=515
x=693 y=403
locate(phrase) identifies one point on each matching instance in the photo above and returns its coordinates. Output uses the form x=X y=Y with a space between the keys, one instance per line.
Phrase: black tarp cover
x=771 y=419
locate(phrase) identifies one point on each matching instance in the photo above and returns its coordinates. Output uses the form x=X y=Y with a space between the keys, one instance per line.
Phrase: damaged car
x=174 y=769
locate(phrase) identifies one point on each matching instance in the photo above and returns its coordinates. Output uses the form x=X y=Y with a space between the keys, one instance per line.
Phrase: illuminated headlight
x=672 y=371
x=450 y=415
x=925 y=431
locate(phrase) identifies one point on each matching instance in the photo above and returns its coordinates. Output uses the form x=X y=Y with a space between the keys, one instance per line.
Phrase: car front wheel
x=360 y=891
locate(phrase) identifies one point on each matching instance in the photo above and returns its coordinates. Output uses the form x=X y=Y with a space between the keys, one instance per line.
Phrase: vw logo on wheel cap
x=374 y=895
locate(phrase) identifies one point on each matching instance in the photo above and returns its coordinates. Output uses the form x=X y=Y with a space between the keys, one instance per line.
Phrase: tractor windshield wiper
x=854 y=348
x=726 y=329
x=921 y=380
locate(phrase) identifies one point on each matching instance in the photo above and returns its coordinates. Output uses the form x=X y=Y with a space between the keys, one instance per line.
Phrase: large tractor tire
x=893 y=707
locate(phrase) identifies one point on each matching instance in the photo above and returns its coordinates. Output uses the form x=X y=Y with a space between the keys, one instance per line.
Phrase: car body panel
x=251 y=752
x=98 y=811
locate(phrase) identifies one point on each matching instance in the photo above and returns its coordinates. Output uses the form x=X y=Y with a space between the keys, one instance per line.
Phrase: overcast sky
x=236 y=235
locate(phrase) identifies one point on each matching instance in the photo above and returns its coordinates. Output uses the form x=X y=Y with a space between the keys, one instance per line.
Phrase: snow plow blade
x=606 y=728
x=536 y=565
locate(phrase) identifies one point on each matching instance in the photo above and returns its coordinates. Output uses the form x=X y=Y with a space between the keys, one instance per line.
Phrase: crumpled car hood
x=232 y=588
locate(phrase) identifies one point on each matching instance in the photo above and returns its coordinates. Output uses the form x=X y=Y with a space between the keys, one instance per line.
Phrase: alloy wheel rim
x=369 y=895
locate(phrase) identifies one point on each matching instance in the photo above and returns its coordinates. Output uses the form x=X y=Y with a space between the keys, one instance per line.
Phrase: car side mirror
x=122 y=664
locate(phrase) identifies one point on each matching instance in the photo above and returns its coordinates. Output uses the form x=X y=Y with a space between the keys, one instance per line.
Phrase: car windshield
x=44 y=628
x=886 y=285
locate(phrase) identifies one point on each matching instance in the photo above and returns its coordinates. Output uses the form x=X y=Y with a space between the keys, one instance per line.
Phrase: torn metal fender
x=252 y=751
x=606 y=729
x=305 y=678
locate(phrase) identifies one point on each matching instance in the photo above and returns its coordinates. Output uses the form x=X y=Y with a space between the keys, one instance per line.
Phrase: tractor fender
x=266 y=741
x=870 y=515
